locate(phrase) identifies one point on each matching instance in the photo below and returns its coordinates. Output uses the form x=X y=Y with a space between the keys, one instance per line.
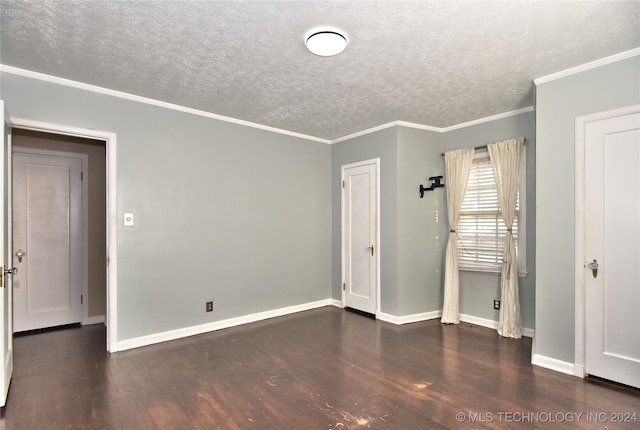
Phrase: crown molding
x=434 y=129
x=488 y=119
x=420 y=126
x=364 y=132
x=80 y=85
x=132 y=97
x=387 y=125
x=588 y=66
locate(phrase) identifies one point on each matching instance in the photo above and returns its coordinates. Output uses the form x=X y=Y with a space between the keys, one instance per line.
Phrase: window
x=481 y=229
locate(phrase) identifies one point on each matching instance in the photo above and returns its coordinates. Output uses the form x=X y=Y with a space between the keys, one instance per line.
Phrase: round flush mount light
x=326 y=43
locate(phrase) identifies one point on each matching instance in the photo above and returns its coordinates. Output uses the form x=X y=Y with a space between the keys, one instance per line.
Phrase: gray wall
x=477 y=290
x=421 y=222
x=223 y=212
x=414 y=231
x=251 y=219
x=382 y=144
x=559 y=102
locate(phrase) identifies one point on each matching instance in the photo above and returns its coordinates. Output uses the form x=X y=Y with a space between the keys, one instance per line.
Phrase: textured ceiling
x=437 y=63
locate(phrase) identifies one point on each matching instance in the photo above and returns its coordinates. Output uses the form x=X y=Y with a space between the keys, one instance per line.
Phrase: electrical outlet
x=496 y=304
x=209 y=306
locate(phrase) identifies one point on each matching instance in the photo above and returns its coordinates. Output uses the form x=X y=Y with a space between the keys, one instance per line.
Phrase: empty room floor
x=321 y=369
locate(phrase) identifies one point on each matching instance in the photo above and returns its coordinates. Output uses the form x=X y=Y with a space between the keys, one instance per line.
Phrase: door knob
x=594 y=267
x=20 y=254
x=12 y=271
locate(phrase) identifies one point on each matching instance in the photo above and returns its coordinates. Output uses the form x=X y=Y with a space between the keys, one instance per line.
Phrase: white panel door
x=6 y=330
x=360 y=237
x=612 y=248
x=47 y=224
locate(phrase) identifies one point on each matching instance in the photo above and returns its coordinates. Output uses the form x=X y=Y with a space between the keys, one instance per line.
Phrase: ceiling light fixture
x=326 y=43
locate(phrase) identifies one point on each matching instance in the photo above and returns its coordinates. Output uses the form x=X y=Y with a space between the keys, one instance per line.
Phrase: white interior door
x=360 y=237
x=612 y=247
x=6 y=329
x=47 y=231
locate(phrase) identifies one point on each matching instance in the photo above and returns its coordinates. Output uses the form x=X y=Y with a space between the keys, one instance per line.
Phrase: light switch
x=128 y=219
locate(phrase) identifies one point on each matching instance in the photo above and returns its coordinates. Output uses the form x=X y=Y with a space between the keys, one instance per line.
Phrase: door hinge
x=82 y=176
x=344 y=286
x=342 y=184
x=81 y=298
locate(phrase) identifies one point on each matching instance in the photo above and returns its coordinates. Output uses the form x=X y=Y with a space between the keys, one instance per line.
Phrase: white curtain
x=505 y=158
x=458 y=166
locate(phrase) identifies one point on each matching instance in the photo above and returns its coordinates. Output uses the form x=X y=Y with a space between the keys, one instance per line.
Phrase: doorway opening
x=89 y=270
x=102 y=307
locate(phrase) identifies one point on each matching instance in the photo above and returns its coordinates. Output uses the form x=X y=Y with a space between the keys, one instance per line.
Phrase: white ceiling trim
x=420 y=126
x=140 y=99
x=588 y=66
x=80 y=85
x=434 y=129
x=488 y=119
x=364 y=132
x=388 y=125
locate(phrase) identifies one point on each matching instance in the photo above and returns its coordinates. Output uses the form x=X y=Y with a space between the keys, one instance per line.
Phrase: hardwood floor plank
x=320 y=369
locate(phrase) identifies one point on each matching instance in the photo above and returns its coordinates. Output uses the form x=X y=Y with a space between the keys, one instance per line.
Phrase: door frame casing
x=580 y=230
x=110 y=139
x=84 y=214
x=6 y=292
x=343 y=168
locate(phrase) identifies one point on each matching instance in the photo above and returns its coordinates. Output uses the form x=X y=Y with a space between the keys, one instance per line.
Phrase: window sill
x=521 y=274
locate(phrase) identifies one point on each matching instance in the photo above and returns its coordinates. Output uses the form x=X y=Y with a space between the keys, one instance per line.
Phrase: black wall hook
x=435 y=184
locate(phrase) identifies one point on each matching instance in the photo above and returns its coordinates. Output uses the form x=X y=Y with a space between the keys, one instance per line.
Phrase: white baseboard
x=554 y=364
x=216 y=325
x=337 y=303
x=398 y=320
x=528 y=332
x=98 y=319
x=483 y=322
x=407 y=319
x=425 y=316
x=246 y=319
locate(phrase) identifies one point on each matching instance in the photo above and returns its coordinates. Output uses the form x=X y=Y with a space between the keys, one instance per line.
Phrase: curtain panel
x=505 y=157
x=457 y=168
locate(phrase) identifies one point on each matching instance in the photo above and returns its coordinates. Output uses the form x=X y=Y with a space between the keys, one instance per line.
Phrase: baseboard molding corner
x=180 y=333
x=408 y=319
x=336 y=303
x=554 y=364
x=528 y=332
x=484 y=322
x=98 y=319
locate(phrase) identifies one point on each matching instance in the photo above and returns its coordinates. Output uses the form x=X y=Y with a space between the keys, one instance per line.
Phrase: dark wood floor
x=322 y=369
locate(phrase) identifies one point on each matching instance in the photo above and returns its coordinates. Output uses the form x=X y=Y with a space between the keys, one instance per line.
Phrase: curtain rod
x=477 y=148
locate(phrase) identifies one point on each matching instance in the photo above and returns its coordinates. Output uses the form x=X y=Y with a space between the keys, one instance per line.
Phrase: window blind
x=481 y=229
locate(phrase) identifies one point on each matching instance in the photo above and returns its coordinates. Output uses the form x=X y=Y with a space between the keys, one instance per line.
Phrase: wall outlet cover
x=128 y=219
